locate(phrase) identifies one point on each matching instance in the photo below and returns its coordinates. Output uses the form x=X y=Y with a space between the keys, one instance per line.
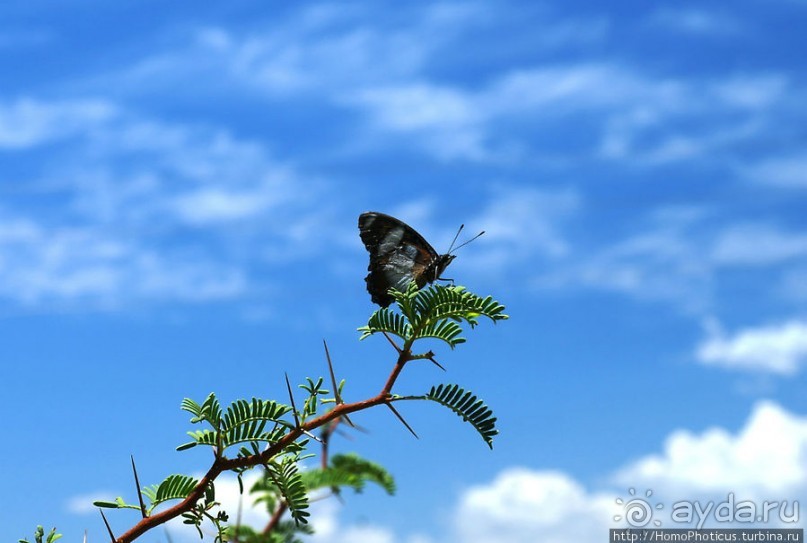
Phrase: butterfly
x=398 y=256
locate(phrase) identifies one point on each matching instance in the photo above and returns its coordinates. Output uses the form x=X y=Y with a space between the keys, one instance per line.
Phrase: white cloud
x=521 y=505
x=354 y=59
x=27 y=123
x=793 y=286
x=764 y=458
x=329 y=528
x=81 y=504
x=662 y=263
x=525 y=221
x=757 y=244
x=785 y=171
x=41 y=265
x=779 y=348
x=694 y=21
x=318 y=49
x=229 y=495
x=444 y=120
x=209 y=205
x=750 y=92
x=679 y=257
x=239 y=507
x=141 y=210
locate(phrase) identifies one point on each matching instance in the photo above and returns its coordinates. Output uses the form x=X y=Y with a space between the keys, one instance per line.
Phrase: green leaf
x=209 y=411
x=286 y=477
x=174 y=487
x=445 y=330
x=244 y=421
x=469 y=407
x=387 y=320
x=351 y=471
x=242 y=412
x=434 y=312
x=107 y=505
x=39 y=533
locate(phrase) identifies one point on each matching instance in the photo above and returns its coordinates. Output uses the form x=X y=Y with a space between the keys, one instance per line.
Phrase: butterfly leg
x=446 y=279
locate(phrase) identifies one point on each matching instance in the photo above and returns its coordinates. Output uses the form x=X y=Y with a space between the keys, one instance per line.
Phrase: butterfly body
x=398 y=256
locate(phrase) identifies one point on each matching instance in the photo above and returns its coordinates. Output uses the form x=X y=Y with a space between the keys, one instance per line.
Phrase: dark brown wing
x=398 y=255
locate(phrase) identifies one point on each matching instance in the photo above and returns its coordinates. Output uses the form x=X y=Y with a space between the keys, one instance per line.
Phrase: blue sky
x=178 y=200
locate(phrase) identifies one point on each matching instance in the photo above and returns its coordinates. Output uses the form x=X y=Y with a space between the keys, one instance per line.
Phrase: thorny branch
x=222 y=464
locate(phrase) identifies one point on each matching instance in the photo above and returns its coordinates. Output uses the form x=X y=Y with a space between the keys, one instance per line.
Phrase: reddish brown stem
x=276 y=516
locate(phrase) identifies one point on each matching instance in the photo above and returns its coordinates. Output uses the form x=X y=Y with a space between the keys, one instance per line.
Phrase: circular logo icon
x=637 y=512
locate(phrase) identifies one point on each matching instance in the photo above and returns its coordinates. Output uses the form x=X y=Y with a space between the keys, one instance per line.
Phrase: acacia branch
x=222 y=463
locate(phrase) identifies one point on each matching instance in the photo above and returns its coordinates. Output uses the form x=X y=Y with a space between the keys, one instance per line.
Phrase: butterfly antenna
x=469 y=241
x=455 y=239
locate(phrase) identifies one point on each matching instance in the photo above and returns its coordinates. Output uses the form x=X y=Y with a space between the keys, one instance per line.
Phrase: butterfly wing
x=398 y=255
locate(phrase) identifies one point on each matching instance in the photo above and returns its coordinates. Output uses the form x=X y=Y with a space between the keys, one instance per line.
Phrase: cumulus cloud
x=330 y=529
x=777 y=348
x=521 y=505
x=764 y=458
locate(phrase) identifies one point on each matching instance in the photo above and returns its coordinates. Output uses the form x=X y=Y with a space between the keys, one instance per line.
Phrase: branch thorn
x=400 y=418
x=139 y=492
x=108 y=528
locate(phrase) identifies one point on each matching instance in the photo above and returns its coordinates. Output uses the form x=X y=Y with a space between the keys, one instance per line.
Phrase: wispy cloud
x=662 y=263
x=679 y=258
x=521 y=225
x=777 y=348
x=784 y=171
x=757 y=244
x=82 y=504
x=343 y=58
x=694 y=21
x=65 y=265
x=446 y=121
x=794 y=284
x=26 y=122
x=145 y=208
